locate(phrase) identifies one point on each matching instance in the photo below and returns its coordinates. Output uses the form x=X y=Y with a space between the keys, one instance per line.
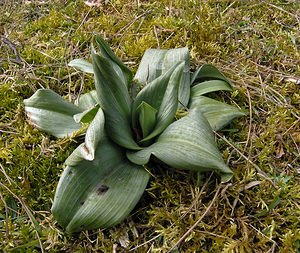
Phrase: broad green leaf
x=86 y=116
x=51 y=113
x=87 y=100
x=99 y=193
x=209 y=86
x=218 y=114
x=94 y=134
x=151 y=66
x=186 y=144
x=156 y=62
x=115 y=102
x=169 y=104
x=208 y=72
x=82 y=65
x=147 y=118
x=161 y=94
x=118 y=65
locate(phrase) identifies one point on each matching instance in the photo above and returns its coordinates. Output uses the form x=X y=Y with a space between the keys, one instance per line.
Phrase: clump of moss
x=254 y=43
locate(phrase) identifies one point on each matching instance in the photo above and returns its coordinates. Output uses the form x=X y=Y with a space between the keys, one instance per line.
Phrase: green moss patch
x=255 y=43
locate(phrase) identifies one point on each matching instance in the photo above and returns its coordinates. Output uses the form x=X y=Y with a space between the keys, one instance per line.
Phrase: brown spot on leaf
x=81 y=203
x=102 y=189
x=85 y=148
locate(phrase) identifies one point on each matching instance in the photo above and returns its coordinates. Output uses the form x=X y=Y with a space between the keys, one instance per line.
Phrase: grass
x=255 y=43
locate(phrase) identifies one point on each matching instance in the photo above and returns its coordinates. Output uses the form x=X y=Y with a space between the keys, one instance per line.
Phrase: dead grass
x=255 y=43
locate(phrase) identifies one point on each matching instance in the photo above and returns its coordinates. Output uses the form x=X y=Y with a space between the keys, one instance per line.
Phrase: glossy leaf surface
x=209 y=86
x=115 y=102
x=186 y=144
x=99 y=190
x=156 y=62
x=117 y=64
x=51 y=113
x=87 y=100
x=218 y=114
x=147 y=118
x=208 y=72
x=161 y=94
x=94 y=134
x=82 y=65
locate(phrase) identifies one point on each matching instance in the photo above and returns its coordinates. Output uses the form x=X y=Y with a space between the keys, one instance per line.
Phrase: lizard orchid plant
x=169 y=118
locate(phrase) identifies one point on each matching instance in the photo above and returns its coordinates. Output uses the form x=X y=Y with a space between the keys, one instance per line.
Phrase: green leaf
x=99 y=193
x=86 y=116
x=150 y=66
x=156 y=62
x=209 y=86
x=147 y=118
x=94 y=134
x=161 y=94
x=186 y=144
x=218 y=114
x=87 y=100
x=82 y=65
x=12 y=207
x=117 y=63
x=115 y=102
x=52 y=114
x=208 y=72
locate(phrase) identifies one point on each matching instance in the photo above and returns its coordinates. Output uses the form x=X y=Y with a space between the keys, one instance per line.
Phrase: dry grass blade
x=30 y=216
x=255 y=43
x=259 y=171
x=198 y=221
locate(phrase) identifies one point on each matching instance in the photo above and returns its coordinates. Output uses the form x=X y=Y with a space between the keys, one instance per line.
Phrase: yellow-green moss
x=254 y=42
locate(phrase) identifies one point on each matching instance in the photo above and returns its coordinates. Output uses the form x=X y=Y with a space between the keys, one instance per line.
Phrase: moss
x=255 y=43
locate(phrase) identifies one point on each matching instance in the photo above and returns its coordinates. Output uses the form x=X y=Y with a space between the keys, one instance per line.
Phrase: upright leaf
x=156 y=62
x=186 y=144
x=161 y=94
x=114 y=100
x=151 y=66
x=147 y=118
x=51 y=113
x=116 y=62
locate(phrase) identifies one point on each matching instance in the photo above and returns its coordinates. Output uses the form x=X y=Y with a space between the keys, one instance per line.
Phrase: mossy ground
x=255 y=43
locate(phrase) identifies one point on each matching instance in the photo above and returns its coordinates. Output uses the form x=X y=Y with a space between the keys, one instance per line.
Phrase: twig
x=250 y=119
x=144 y=243
x=270 y=239
x=198 y=221
x=198 y=196
x=156 y=36
x=132 y=22
x=259 y=171
x=172 y=225
x=294 y=124
x=83 y=20
x=283 y=10
x=5 y=174
x=12 y=46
